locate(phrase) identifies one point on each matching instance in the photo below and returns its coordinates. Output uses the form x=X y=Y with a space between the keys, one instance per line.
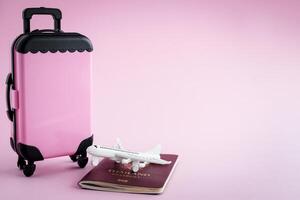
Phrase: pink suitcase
x=49 y=93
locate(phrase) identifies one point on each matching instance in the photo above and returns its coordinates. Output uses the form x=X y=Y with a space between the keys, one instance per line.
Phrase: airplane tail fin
x=118 y=145
x=155 y=150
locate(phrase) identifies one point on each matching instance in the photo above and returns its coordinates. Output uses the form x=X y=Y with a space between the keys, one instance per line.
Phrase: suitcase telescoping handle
x=29 y=12
x=9 y=82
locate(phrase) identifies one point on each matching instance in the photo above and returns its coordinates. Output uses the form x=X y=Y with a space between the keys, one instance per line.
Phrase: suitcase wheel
x=21 y=162
x=74 y=158
x=29 y=169
x=82 y=161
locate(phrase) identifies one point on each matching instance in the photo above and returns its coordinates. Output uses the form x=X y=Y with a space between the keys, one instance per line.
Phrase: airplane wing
x=128 y=156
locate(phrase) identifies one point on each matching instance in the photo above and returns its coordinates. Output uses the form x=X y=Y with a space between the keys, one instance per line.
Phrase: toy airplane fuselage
x=137 y=159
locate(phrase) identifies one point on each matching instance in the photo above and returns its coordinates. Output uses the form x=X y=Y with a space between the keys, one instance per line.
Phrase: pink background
x=215 y=81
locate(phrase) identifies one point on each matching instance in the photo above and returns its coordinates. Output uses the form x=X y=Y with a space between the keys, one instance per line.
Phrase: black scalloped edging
x=58 y=50
x=54 y=42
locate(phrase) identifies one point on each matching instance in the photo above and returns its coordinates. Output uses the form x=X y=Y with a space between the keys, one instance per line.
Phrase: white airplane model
x=120 y=155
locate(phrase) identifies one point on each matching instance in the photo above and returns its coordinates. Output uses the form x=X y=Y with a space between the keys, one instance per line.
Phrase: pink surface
x=215 y=81
x=54 y=91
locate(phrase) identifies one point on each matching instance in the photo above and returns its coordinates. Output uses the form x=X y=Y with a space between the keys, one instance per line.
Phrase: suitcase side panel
x=54 y=104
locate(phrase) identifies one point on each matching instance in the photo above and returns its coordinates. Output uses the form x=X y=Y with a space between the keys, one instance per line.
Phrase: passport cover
x=111 y=176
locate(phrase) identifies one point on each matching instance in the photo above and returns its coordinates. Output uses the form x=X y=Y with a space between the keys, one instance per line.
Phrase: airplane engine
x=95 y=161
x=135 y=166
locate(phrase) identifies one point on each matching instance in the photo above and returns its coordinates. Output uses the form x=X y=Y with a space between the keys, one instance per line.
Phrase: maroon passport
x=111 y=176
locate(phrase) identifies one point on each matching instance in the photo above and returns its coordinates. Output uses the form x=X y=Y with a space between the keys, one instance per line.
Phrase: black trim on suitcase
x=84 y=144
x=40 y=41
x=80 y=155
x=30 y=153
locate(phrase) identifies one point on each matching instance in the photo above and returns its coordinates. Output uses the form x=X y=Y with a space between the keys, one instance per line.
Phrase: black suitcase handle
x=9 y=82
x=29 y=12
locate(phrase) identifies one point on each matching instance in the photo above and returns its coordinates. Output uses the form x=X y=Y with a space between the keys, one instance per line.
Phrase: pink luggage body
x=49 y=94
